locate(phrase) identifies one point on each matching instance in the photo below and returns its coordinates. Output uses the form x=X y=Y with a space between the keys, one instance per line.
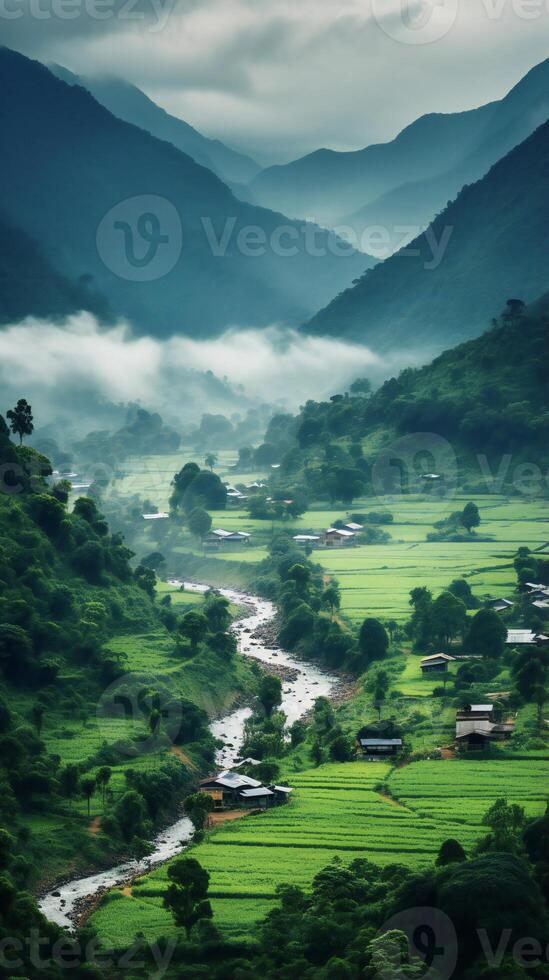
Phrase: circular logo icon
x=415 y=21
x=423 y=464
x=425 y=935
x=133 y=712
x=140 y=239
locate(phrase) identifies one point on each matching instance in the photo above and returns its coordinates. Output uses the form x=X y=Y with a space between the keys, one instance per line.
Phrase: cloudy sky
x=282 y=77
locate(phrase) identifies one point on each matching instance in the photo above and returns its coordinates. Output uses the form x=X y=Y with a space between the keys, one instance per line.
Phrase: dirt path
x=215 y=819
x=182 y=756
x=94 y=826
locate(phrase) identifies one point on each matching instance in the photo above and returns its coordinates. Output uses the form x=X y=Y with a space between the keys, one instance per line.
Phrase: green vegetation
x=104 y=702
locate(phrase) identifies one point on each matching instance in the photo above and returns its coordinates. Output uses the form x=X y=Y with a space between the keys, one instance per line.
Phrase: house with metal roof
x=220 y=537
x=232 y=791
x=337 y=537
x=436 y=662
x=525 y=637
x=500 y=605
x=378 y=748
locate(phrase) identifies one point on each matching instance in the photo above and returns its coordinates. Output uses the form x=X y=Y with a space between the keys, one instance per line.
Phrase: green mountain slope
x=487 y=398
x=87 y=656
x=67 y=163
x=29 y=286
x=132 y=105
x=497 y=240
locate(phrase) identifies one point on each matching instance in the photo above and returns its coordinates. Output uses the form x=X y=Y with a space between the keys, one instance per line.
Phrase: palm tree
x=88 y=788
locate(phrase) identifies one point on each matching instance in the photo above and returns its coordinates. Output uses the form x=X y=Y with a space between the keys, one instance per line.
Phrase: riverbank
x=302 y=683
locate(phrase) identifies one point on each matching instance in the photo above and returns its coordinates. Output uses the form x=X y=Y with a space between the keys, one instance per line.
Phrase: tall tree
x=470 y=516
x=487 y=634
x=199 y=522
x=373 y=641
x=186 y=896
x=21 y=422
x=270 y=693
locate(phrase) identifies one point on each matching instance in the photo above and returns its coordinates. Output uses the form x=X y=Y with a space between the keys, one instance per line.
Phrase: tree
x=186 y=896
x=20 y=417
x=448 y=617
x=331 y=598
x=210 y=460
x=531 y=673
x=146 y=580
x=88 y=787
x=102 y=779
x=245 y=454
x=193 y=626
x=37 y=716
x=373 y=641
x=506 y=822
x=378 y=683
x=131 y=816
x=487 y=634
x=470 y=516
x=270 y=693
x=69 y=780
x=462 y=590
x=199 y=522
x=217 y=612
x=197 y=806
x=450 y=852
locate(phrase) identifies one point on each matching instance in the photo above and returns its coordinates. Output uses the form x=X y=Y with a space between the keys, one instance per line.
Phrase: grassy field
x=374 y=579
x=337 y=811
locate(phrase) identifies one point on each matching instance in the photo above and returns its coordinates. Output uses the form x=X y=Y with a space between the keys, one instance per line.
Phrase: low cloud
x=52 y=364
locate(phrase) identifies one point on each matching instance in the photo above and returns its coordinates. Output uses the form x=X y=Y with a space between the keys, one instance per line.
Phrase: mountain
x=475 y=402
x=407 y=181
x=29 y=286
x=165 y=241
x=129 y=103
x=497 y=238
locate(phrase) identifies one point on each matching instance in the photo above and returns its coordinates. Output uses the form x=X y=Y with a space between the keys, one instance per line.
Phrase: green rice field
x=336 y=811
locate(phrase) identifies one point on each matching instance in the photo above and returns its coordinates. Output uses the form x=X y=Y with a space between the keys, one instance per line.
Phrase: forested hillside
x=81 y=636
x=29 y=286
x=487 y=396
x=492 y=238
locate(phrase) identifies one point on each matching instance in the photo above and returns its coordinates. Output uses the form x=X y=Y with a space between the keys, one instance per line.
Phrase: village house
x=160 y=516
x=475 y=711
x=305 y=539
x=478 y=733
x=336 y=537
x=437 y=662
x=220 y=537
x=525 y=637
x=378 y=748
x=234 y=791
x=352 y=526
x=500 y=605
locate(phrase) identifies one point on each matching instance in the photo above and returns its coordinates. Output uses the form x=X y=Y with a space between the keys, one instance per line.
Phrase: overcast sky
x=283 y=77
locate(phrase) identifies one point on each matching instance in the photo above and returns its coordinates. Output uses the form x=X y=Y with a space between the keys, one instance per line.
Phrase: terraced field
x=336 y=812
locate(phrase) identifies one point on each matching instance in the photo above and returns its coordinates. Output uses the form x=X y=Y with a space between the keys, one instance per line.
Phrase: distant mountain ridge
x=497 y=233
x=29 y=286
x=129 y=103
x=67 y=162
x=408 y=180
